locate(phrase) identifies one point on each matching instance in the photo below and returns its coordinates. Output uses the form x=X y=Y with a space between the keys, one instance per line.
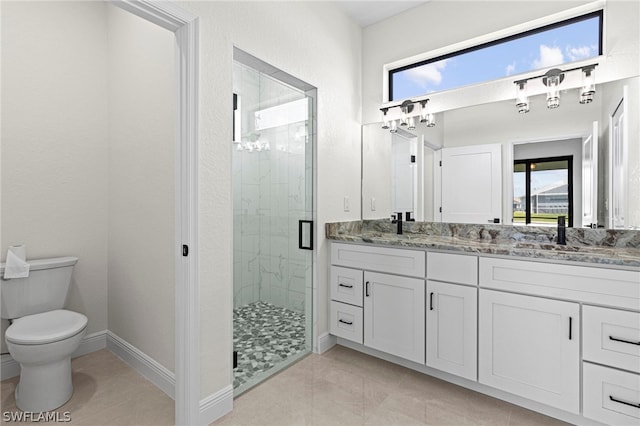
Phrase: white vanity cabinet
x=394 y=315
x=611 y=388
x=530 y=346
x=562 y=338
x=529 y=343
x=451 y=317
x=386 y=287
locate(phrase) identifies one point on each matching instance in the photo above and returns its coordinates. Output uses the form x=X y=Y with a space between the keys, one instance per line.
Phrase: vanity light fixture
x=552 y=80
x=385 y=120
x=522 y=100
x=425 y=115
x=406 y=114
x=412 y=124
x=588 y=85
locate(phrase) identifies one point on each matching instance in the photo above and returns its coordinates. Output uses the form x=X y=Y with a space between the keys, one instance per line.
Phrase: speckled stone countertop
x=600 y=246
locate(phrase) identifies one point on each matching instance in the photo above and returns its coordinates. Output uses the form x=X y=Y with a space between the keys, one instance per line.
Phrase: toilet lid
x=46 y=327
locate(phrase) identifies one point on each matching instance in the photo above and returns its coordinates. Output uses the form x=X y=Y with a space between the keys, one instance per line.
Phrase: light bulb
x=522 y=100
x=553 y=93
x=394 y=126
x=588 y=86
x=412 y=124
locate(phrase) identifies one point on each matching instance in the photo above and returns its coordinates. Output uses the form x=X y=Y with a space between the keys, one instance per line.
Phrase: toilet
x=42 y=335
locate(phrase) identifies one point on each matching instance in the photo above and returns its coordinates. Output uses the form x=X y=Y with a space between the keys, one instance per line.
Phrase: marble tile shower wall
x=269 y=199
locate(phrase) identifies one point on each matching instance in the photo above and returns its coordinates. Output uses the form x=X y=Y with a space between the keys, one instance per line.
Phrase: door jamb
x=187 y=310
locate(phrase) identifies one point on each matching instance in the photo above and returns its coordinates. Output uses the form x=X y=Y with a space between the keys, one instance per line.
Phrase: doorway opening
x=273 y=146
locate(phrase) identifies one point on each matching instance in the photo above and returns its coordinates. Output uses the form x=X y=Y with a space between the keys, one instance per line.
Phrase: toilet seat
x=46 y=327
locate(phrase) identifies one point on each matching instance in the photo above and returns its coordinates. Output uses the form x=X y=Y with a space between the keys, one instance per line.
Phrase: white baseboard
x=156 y=373
x=216 y=405
x=90 y=343
x=325 y=342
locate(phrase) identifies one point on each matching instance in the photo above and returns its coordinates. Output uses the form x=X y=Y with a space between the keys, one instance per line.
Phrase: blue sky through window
x=556 y=46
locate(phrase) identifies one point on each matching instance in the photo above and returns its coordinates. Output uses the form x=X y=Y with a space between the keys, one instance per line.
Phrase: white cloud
x=511 y=68
x=548 y=56
x=577 y=53
x=428 y=74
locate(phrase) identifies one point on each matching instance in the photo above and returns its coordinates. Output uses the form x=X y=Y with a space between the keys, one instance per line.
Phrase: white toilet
x=42 y=335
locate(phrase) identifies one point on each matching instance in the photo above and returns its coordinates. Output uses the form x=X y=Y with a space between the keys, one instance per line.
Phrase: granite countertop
x=487 y=242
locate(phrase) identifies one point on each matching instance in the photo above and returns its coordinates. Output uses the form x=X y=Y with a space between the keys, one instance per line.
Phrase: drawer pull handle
x=345 y=285
x=345 y=322
x=624 y=341
x=431 y=301
x=366 y=289
x=620 y=401
x=570 y=327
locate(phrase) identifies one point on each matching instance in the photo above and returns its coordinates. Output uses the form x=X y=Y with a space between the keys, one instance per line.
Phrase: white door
x=590 y=179
x=394 y=315
x=452 y=328
x=618 y=164
x=530 y=346
x=472 y=184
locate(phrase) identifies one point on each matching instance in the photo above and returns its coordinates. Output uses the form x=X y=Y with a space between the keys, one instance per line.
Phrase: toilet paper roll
x=16 y=265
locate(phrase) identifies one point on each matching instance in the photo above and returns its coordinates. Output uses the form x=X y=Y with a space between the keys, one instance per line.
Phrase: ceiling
x=370 y=12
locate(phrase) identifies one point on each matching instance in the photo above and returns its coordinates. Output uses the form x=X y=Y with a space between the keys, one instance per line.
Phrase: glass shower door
x=273 y=210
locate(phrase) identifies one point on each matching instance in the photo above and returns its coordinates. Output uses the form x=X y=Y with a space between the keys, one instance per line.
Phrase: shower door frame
x=311 y=92
x=187 y=309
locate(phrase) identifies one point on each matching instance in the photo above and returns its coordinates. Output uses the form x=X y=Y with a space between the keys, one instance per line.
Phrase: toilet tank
x=45 y=289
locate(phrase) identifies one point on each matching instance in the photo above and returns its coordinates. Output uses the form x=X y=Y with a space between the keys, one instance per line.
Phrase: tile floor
x=265 y=336
x=340 y=387
x=106 y=392
x=345 y=387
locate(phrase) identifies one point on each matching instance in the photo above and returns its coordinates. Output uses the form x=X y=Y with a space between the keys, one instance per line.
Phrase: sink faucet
x=562 y=231
x=397 y=218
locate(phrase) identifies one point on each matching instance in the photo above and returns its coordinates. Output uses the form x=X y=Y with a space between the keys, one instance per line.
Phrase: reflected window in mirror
x=543 y=191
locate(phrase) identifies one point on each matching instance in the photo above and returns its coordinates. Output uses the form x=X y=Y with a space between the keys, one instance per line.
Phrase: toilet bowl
x=42 y=344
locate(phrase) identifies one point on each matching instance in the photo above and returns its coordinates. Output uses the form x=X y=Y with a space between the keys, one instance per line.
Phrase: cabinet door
x=529 y=346
x=451 y=328
x=394 y=315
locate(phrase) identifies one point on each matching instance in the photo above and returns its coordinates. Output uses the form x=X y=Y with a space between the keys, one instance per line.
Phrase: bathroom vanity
x=554 y=330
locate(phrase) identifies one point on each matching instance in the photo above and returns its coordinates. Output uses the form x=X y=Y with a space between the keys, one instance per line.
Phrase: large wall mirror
x=489 y=164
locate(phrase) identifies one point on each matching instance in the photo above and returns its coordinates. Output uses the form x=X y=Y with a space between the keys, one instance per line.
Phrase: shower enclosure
x=273 y=212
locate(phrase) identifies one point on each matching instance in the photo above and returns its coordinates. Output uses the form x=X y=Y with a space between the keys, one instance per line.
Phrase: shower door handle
x=301 y=226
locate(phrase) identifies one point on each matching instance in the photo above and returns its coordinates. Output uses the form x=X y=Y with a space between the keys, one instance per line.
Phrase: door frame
x=187 y=309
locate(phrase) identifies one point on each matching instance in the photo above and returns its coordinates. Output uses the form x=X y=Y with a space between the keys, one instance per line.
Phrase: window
x=563 y=42
x=543 y=190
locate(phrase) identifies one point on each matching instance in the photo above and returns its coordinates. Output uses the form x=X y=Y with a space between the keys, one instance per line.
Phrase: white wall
x=141 y=237
x=87 y=160
x=54 y=141
x=317 y=43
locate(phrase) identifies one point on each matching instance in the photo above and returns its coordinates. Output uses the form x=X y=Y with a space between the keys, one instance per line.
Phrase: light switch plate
x=373 y=204
x=346 y=203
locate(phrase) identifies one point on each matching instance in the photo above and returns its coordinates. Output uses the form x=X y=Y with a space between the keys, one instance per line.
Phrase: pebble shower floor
x=264 y=336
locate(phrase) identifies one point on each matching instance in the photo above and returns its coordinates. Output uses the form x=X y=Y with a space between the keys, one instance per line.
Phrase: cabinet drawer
x=616 y=288
x=346 y=285
x=611 y=396
x=346 y=321
x=379 y=259
x=611 y=337
x=454 y=268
